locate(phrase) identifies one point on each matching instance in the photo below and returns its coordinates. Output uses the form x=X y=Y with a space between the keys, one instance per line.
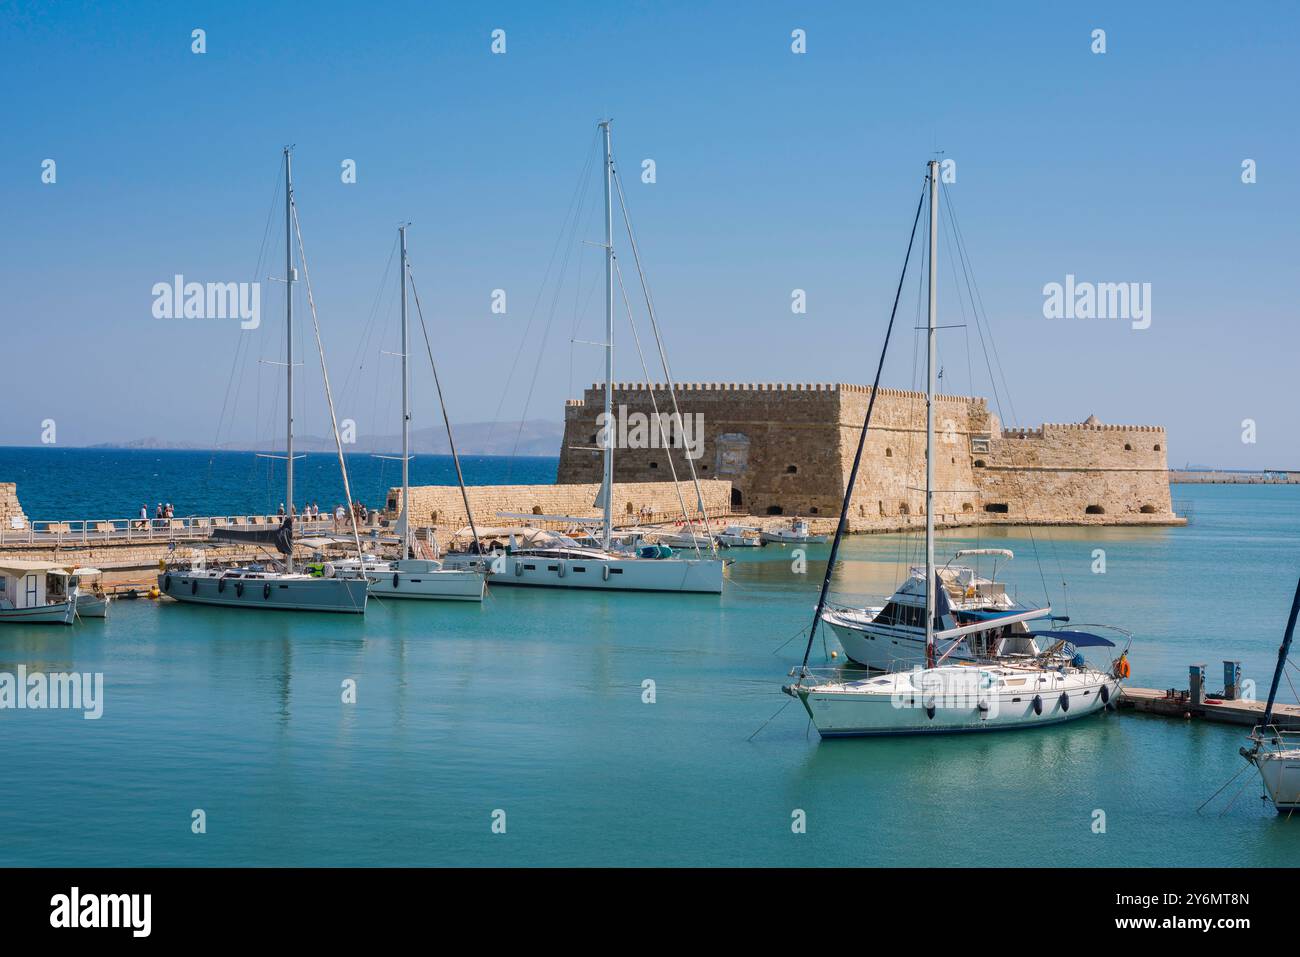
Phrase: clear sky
x=775 y=171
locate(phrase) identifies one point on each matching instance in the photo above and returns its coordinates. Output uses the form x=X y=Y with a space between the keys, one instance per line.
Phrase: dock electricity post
x=608 y=526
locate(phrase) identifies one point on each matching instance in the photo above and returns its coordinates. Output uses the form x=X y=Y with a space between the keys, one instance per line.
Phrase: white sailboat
x=1274 y=752
x=409 y=576
x=562 y=562
x=275 y=584
x=1013 y=691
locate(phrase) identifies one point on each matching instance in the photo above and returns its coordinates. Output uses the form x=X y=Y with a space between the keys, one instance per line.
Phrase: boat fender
x=519 y=568
x=1105 y=695
x=396 y=579
x=167 y=583
x=563 y=565
x=1065 y=701
x=1038 y=704
x=221 y=585
x=194 y=587
x=604 y=573
x=239 y=589
x=266 y=590
x=983 y=706
x=929 y=708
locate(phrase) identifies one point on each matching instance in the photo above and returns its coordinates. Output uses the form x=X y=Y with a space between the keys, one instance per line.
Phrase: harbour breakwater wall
x=442 y=507
x=787 y=449
x=1216 y=477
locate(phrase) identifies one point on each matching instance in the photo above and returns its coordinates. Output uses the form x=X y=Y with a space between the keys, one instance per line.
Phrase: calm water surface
x=532 y=704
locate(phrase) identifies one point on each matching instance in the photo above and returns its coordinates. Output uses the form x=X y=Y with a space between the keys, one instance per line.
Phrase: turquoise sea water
x=532 y=704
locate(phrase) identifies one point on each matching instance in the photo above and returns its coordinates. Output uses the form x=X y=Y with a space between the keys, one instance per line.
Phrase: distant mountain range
x=533 y=437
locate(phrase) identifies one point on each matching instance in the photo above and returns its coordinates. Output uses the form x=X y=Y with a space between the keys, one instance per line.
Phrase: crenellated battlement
x=769 y=387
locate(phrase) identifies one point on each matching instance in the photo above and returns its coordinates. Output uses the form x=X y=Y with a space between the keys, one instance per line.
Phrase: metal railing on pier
x=119 y=531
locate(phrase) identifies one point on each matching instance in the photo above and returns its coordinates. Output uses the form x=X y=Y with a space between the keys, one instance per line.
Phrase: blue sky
x=775 y=171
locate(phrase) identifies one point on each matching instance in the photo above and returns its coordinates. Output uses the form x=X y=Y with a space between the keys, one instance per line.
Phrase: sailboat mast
x=405 y=517
x=288 y=324
x=930 y=597
x=607 y=486
x=1282 y=653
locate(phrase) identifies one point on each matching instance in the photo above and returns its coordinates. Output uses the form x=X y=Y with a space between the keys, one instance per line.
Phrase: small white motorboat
x=796 y=533
x=741 y=536
x=975 y=619
x=92 y=600
x=36 y=592
x=1275 y=752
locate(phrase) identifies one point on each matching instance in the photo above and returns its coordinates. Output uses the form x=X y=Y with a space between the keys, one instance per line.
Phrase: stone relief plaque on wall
x=733 y=454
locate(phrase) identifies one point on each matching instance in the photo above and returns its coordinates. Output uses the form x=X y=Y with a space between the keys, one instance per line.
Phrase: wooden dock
x=1179 y=704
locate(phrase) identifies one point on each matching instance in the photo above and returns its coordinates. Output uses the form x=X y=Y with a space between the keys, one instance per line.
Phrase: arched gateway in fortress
x=788 y=450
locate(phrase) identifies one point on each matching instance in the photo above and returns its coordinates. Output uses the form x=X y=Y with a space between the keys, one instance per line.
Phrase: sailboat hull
x=1280 y=771
x=445 y=585
x=838 y=714
x=609 y=574
x=290 y=593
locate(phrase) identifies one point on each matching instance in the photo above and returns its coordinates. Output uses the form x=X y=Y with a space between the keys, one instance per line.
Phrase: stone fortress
x=788 y=450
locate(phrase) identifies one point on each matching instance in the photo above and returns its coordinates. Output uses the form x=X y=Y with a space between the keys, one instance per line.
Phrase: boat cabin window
x=896 y=614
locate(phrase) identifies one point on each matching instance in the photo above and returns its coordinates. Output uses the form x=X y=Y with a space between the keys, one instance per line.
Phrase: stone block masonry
x=441 y=506
x=788 y=450
x=11 y=512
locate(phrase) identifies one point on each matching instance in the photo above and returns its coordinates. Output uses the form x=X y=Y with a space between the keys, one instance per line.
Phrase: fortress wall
x=753 y=435
x=892 y=478
x=1060 y=471
x=10 y=508
x=441 y=506
x=788 y=449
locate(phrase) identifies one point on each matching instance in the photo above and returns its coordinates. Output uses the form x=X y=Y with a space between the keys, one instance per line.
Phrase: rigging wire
x=862 y=439
x=663 y=357
x=446 y=421
x=654 y=406
x=325 y=376
x=566 y=227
